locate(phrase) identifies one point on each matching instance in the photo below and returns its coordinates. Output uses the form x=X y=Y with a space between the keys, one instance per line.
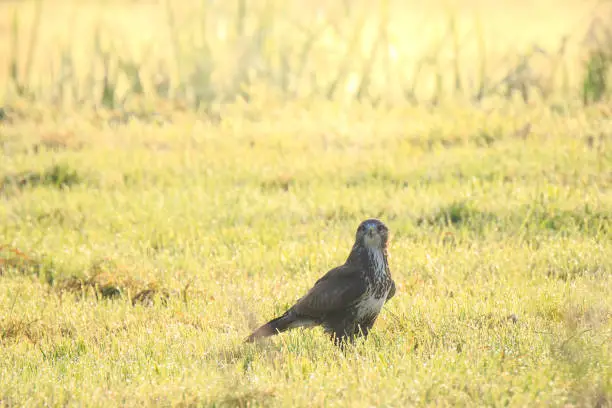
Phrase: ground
x=136 y=254
x=500 y=246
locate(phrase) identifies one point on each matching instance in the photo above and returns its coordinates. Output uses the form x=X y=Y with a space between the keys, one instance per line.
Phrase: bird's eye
x=381 y=228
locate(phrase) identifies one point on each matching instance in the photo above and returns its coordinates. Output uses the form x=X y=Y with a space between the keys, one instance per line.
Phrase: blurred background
x=146 y=56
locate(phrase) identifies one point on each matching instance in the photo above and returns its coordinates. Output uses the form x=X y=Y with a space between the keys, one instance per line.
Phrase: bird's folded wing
x=336 y=290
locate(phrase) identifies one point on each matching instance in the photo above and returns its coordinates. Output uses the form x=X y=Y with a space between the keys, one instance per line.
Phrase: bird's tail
x=274 y=326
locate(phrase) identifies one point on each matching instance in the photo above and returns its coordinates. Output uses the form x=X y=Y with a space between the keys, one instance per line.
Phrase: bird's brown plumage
x=346 y=300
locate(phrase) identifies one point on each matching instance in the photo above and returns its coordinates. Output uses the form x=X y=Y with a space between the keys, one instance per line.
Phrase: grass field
x=136 y=255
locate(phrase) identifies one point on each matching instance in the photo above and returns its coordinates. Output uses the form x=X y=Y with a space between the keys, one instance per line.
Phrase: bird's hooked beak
x=371 y=237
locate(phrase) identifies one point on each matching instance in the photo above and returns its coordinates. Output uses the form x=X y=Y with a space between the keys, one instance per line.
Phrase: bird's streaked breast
x=370 y=304
x=377 y=264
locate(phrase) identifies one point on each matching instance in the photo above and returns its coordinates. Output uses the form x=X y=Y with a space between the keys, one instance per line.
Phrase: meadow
x=171 y=179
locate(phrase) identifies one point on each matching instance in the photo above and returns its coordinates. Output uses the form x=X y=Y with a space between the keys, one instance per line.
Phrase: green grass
x=500 y=245
x=174 y=174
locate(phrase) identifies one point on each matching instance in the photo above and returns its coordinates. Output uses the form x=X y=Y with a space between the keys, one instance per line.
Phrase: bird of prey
x=347 y=300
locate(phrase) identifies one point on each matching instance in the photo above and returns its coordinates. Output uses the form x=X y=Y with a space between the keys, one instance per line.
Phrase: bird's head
x=372 y=234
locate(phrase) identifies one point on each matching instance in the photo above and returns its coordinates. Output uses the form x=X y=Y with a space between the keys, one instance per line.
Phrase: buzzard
x=347 y=300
